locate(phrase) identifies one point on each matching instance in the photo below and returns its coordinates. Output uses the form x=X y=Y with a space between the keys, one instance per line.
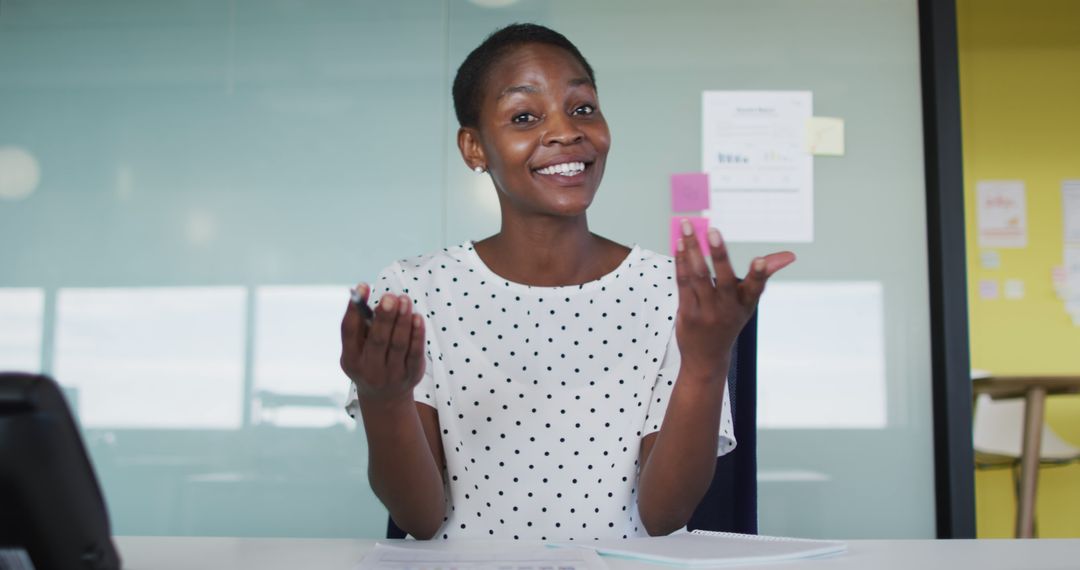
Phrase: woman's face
x=541 y=133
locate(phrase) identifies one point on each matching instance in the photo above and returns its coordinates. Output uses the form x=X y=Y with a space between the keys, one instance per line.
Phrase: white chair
x=998 y=435
x=998 y=441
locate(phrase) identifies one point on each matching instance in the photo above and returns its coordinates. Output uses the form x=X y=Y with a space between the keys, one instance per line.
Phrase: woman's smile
x=565 y=171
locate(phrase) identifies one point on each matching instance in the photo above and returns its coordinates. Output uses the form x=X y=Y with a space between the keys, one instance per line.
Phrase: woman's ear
x=472 y=152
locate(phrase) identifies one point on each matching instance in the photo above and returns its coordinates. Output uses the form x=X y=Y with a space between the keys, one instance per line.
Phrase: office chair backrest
x=51 y=506
x=730 y=504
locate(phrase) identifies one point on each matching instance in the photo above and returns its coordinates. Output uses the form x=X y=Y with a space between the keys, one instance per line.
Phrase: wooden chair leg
x=1034 y=406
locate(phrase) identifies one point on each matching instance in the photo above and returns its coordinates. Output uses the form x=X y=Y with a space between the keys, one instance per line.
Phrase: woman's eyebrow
x=518 y=89
x=532 y=89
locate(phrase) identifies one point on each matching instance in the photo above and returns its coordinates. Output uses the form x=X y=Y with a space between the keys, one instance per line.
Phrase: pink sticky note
x=988 y=289
x=701 y=229
x=689 y=192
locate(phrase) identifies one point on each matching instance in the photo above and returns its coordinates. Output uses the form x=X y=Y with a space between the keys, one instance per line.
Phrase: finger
x=360 y=302
x=725 y=275
x=751 y=288
x=350 y=329
x=700 y=278
x=349 y=335
x=354 y=327
x=414 y=361
x=399 y=338
x=694 y=255
x=381 y=327
x=776 y=261
x=359 y=298
x=761 y=269
x=687 y=298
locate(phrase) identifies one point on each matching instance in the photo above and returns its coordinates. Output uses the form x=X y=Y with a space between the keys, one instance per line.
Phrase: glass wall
x=188 y=189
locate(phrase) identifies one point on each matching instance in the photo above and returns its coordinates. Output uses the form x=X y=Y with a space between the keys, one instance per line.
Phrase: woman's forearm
x=402 y=468
x=679 y=467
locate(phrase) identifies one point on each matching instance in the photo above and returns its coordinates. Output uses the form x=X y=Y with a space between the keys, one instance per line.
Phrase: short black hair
x=471 y=76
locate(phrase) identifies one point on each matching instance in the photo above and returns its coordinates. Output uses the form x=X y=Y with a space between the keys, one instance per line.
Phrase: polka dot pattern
x=543 y=393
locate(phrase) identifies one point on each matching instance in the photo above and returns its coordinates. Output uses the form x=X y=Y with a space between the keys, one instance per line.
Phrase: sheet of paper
x=1070 y=292
x=1072 y=273
x=706 y=549
x=761 y=177
x=473 y=557
x=1014 y=289
x=1057 y=277
x=1070 y=198
x=990 y=259
x=689 y=192
x=988 y=289
x=1002 y=213
x=825 y=136
x=701 y=229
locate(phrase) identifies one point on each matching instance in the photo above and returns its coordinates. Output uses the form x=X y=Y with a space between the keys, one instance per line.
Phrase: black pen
x=361 y=305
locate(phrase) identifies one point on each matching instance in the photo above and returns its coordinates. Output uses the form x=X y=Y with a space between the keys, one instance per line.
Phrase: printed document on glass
x=761 y=176
x=479 y=556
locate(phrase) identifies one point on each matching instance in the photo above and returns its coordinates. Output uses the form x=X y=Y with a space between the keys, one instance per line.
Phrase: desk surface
x=169 y=553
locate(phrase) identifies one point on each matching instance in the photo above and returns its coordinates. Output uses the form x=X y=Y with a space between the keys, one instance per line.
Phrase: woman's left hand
x=713 y=312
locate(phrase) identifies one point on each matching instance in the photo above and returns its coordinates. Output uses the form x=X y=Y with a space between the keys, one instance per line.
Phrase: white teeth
x=565 y=169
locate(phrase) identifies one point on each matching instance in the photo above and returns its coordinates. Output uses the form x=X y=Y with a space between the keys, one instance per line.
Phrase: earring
x=478 y=169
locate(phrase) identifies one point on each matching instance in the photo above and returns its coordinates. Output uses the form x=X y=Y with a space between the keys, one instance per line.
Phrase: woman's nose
x=562 y=130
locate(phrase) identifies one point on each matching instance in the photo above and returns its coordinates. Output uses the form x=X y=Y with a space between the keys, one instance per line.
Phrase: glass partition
x=198 y=183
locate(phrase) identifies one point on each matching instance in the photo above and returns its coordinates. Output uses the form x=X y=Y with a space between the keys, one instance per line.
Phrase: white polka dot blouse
x=543 y=393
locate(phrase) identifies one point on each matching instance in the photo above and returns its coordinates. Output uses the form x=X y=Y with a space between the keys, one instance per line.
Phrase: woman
x=545 y=382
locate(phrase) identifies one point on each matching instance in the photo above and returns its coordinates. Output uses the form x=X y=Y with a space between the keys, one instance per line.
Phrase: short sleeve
x=661 y=395
x=389 y=281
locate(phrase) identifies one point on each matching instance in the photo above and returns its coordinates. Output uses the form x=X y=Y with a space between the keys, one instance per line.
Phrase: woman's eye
x=522 y=118
x=585 y=110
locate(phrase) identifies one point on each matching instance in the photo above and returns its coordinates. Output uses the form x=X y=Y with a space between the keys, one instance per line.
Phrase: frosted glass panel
x=209 y=169
x=22 y=314
x=153 y=358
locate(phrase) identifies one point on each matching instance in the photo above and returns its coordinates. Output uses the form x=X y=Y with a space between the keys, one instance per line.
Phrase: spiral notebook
x=709 y=548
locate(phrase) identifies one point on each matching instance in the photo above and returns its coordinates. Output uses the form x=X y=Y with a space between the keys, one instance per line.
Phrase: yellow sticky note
x=825 y=136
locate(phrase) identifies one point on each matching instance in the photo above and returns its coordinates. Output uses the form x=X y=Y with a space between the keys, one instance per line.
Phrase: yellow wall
x=1020 y=98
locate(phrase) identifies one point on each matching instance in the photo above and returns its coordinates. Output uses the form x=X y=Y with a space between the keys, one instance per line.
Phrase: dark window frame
x=953 y=454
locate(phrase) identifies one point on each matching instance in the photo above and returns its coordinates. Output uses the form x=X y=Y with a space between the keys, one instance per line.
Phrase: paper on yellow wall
x=1002 y=213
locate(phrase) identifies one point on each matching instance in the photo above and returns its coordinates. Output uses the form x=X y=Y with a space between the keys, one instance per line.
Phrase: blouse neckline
x=602 y=281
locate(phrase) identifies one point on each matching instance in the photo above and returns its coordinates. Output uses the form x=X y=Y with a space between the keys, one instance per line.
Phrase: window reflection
x=821 y=355
x=153 y=357
x=21 y=312
x=298 y=381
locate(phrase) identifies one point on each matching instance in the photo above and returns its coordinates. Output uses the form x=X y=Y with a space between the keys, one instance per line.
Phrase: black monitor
x=51 y=507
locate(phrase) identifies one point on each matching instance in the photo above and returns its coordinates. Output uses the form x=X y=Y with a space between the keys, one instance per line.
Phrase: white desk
x=180 y=553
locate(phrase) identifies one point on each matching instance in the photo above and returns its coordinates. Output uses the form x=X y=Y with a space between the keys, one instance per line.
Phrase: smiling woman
x=529 y=113
x=543 y=139
x=536 y=367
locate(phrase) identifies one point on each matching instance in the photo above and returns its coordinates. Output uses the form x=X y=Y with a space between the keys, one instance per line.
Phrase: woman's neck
x=548 y=251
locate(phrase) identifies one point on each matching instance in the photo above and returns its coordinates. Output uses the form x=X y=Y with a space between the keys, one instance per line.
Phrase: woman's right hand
x=383 y=358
